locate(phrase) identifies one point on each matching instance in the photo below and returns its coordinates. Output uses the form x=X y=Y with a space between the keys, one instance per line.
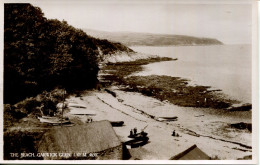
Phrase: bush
x=11 y=115
x=21 y=142
x=43 y=104
x=28 y=105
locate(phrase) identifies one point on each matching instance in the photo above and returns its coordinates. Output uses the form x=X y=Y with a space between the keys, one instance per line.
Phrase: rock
x=242 y=125
x=248 y=157
x=110 y=92
x=240 y=107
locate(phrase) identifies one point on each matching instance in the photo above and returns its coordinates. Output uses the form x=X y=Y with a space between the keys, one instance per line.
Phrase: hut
x=192 y=153
x=96 y=140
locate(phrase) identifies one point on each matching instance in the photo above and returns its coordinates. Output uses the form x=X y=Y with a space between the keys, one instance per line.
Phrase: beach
x=140 y=101
x=210 y=131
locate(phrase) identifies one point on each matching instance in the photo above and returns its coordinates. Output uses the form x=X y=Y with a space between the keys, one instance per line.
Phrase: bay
x=225 y=67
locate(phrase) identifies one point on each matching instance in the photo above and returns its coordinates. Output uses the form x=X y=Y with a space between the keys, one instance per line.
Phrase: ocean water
x=225 y=67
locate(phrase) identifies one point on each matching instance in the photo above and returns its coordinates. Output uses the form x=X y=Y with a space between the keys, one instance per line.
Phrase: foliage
x=21 y=142
x=41 y=54
x=43 y=104
x=11 y=115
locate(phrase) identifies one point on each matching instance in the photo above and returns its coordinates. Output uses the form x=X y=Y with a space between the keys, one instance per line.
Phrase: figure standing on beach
x=173 y=133
x=131 y=133
x=135 y=131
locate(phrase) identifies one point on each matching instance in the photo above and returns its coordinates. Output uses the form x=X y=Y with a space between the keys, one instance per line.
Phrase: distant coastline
x=149 y=39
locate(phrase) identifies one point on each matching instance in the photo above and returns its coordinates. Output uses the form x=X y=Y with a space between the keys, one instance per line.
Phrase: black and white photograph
x=125 y=81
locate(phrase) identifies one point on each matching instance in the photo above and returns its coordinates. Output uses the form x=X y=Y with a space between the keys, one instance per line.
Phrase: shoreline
x=174 y=89
x=210 y=129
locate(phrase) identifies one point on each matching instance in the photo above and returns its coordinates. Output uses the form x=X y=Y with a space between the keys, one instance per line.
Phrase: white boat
x=48 y=117
x=75 y=105
x=76 y=111
x=53 y=120
x=173 y=118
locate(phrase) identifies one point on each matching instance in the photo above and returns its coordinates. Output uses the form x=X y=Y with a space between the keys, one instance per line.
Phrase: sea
x=224 y=67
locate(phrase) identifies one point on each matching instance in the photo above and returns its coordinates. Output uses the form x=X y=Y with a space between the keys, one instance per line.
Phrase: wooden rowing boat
x=137 y=142
x=53 y=120
x=173 y=118
x=117 y=123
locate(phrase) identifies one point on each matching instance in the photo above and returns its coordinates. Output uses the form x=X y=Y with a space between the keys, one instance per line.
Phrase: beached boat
x=138 y=135
x=117 y=123
x=48 y=117
x=75 y=105
x=53 y=120
x=76 y=111
x=173 y=118
x=137 y=142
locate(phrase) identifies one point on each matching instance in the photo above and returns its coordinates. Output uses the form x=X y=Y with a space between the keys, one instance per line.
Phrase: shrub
x=43 y=104
x=11 y=115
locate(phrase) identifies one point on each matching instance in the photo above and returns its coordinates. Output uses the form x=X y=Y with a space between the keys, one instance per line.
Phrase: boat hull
x=117 y=123
x=137 y=142
x=53 y=120
x=174 y=118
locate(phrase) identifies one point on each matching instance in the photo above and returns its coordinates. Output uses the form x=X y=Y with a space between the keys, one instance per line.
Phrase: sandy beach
x=209 y=129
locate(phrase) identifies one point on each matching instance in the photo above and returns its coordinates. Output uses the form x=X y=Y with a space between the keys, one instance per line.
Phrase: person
x=135 y=131
x=131 y=133
x=173 y=133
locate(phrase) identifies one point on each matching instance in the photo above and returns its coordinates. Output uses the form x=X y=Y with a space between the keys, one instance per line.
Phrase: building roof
x=87 y=138
x=192 y=153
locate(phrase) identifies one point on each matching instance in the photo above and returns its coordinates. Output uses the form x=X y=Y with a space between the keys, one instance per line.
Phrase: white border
x=255 y=89
x=1 y=77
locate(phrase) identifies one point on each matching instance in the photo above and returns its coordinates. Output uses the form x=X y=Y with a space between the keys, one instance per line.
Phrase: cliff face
x=148 y=39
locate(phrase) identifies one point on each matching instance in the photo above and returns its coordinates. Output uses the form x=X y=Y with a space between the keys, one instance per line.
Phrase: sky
x=227 y=21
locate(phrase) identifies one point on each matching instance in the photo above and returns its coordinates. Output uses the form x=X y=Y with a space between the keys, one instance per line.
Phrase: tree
x=41 y=54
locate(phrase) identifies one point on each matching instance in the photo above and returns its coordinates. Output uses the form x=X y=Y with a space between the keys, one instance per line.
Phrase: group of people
x=133 y=132
x=175 y=134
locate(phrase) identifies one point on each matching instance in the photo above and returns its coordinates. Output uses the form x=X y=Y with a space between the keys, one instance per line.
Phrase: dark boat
x=137 y=142
x=138 y=139
x=117 y=123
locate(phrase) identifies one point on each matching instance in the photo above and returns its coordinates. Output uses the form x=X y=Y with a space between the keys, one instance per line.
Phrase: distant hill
x=149 y=39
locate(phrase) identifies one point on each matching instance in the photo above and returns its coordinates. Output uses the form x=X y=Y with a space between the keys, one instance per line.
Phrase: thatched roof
x=88 y=138
x=192 y=153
